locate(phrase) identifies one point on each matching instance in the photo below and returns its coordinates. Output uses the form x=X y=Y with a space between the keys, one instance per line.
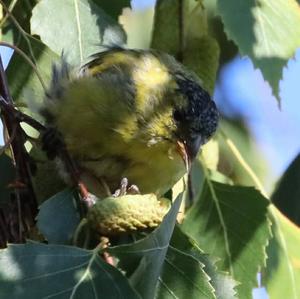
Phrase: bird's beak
x=193 y=146
x=183 y=152
x=188 y=150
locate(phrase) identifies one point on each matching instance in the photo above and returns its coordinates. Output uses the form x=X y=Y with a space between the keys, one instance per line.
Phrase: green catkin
x=128 y=213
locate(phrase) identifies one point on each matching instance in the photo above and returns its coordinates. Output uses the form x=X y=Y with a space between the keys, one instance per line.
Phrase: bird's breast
x=156 y=168
x=153 y=169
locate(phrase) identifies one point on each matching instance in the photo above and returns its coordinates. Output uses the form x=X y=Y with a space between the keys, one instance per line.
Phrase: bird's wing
x=97 y=103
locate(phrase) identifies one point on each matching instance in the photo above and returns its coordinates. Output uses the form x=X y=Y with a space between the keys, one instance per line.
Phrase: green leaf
x=62 y=208
x=179 y=19
x=237 y=134
x=287 y=194
x=186 y=23
x=166 y=24
x=200 y=51
x=24 y=85
x=282 y=273
x=183 y=276
x=228 y=49
x=78 y=28
x=113 y=8
x=201 y=55
x=183 y=21
x=143 y=260
x=7 y=176
x=47 y=181
x=36 y=270
x=230 y=223
x=188 y=272
x=267 y=31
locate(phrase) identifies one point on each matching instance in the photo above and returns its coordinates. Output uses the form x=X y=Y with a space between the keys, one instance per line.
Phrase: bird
x=130 y=114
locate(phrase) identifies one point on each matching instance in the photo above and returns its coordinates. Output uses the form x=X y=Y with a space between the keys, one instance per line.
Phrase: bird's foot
x=52 y=143
x=125 y=189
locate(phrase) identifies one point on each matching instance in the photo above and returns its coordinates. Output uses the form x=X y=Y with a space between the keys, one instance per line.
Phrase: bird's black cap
x=198 y=121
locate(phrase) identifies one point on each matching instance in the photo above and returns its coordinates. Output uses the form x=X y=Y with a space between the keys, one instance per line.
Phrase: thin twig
x=28 y=60
x=20 y=116
x=22 y=166
x=21 y=30
x=64 y=155
x=10 y=9
x=8 y=142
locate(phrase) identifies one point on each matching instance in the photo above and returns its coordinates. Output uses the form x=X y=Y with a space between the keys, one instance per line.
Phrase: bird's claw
x=124 y=189
x=133 y=189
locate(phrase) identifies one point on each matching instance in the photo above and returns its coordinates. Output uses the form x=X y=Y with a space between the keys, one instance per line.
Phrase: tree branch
x=23 y=203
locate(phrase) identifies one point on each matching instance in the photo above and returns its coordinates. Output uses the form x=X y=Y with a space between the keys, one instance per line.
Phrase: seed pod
x=128 y=213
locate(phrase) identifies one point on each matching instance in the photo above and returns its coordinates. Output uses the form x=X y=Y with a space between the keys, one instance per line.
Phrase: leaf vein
x=78 y=29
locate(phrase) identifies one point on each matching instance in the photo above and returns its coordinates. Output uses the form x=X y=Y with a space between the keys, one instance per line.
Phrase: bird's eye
x=177 y=115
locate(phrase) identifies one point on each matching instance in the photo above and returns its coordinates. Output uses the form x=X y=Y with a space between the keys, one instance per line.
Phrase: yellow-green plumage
x=116 y=116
